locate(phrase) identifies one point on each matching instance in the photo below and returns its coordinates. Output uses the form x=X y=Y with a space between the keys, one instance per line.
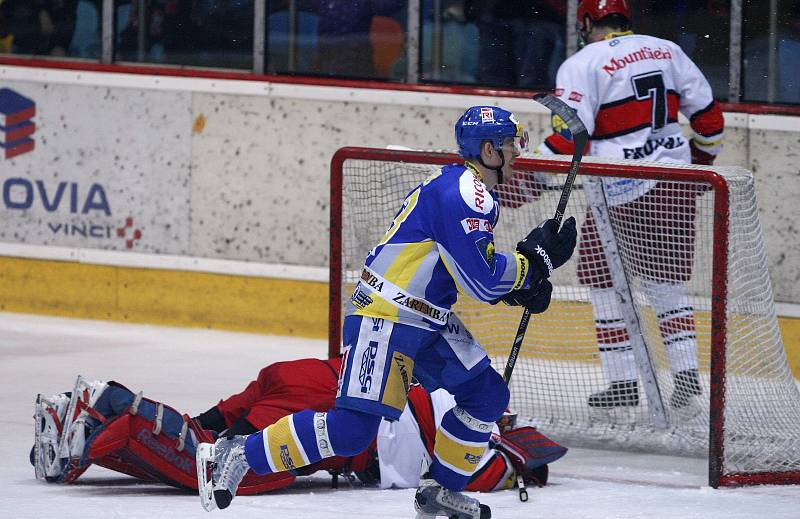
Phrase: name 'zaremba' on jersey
x=439 y=243
x=628 y=90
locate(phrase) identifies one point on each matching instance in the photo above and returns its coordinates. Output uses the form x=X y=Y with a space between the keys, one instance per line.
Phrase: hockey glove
x=699 y=156
x=547 y=247
x=536 y=300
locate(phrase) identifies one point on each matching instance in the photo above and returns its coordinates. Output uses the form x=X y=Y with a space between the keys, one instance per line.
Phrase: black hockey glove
x=536 y=299
x=547 y=249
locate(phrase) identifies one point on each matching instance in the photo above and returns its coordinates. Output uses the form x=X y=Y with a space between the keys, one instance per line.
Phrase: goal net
x=670 y=276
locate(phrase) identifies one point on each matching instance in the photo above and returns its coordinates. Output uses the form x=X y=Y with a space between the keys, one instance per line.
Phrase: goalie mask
x=489 y=123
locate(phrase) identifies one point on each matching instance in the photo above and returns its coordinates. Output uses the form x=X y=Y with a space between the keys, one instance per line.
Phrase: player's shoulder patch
x=485 y=246
x=475 y=194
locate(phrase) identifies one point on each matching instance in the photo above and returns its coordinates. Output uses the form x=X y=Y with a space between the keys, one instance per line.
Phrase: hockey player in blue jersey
x=439 y=244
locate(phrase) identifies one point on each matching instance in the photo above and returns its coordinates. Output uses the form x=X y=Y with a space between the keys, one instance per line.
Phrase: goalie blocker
x=108 y=425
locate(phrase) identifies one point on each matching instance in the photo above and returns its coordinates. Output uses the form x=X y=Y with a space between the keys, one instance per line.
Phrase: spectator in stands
x=789 y=56
x=522 y=41
x=85 y=42
x=152 y=48
x=344 y=46
x=459 y=42
x=40 y=26
x=6 y=37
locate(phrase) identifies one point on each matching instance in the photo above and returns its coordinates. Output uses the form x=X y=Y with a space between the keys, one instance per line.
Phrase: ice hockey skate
x=433 y=501
x=616 y=404
x=226 y=463
x=684 y=400
x=618 y=394
x=687 y=386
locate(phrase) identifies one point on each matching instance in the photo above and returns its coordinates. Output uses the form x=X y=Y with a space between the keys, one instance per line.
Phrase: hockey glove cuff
x=536 y=299
x=700 y=156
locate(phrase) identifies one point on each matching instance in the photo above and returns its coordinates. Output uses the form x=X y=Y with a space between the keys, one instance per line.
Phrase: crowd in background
x=501 y=43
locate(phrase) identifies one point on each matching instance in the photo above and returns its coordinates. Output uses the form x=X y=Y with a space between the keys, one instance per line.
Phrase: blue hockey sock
x=461 y=440
x=306 y=437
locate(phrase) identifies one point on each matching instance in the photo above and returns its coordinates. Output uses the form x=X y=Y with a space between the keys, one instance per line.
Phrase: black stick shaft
x=579 y=137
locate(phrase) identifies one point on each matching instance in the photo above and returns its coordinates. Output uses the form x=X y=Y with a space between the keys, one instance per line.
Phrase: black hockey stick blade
x=580 y=136
x=563 y=110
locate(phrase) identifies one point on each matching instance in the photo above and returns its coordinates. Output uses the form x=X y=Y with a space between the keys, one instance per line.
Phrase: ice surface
x=192 y=369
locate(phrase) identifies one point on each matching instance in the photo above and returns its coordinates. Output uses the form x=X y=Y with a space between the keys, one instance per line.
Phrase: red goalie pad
x=153 y=442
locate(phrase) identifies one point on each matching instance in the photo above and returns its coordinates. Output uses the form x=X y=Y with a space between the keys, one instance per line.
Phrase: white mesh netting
x=663 y=266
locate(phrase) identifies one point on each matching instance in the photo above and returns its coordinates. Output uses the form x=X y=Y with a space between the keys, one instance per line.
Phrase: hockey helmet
x=488 y=123
x=599 y=9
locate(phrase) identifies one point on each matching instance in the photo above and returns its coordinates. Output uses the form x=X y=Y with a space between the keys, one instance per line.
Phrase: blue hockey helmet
x=488 y=123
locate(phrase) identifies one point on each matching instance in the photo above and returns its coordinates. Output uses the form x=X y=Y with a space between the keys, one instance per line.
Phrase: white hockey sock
x=613 y=341
x=676 y=323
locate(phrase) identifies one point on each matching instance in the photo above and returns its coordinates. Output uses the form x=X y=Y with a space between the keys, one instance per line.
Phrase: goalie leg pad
x=60 y=424
x=127 y=433
x=49 y=414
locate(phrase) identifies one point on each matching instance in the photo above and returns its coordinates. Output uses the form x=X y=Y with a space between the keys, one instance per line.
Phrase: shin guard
x=461 y=440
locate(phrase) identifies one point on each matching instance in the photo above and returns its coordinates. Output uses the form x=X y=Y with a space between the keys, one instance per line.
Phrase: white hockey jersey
x=628 y=90
x=401 y=449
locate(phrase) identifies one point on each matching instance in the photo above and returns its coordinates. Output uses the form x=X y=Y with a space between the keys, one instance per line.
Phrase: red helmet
x=598 y=9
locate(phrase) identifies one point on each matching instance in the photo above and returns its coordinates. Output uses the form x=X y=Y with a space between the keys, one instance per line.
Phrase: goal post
x=685 y=248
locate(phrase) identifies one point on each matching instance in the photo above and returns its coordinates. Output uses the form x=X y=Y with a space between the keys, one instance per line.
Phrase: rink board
x=261 y=305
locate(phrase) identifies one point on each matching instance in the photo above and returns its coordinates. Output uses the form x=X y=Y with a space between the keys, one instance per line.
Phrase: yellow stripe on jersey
x=458 y=455
x=400 y=272
x=282 y=449
x=407 y=263
x=379 y=307
x=398 y=381
x=408 y=205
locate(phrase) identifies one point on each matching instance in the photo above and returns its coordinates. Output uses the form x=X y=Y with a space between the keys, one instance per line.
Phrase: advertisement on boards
x=95 y=167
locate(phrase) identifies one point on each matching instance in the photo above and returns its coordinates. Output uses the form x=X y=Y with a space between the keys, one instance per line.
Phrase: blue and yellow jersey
x=440 y=243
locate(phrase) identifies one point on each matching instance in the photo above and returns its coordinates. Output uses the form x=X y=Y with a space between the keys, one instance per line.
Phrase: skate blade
x=690 y=411
x=205 y=487
x=621 y=416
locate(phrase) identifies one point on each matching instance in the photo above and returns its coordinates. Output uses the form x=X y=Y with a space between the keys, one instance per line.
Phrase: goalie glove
x=529 y=451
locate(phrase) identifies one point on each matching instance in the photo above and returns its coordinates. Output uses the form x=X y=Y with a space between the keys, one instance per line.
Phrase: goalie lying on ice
x=108 y=425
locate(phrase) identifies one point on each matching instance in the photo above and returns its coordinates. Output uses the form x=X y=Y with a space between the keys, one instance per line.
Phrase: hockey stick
x=579 y=137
